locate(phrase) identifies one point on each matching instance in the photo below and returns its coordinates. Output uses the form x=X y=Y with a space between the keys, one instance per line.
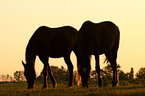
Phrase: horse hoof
x=70 y=86
x=84 y=86
x=29 y=88
x=44 y=87
x=99 y=86
x=55 y=85
x=114 y=85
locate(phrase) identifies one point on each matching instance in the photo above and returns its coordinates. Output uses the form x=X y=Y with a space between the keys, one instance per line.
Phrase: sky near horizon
x=20 y=18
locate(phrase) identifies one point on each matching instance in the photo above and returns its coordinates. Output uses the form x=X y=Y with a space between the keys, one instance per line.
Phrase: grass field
x=20 y=89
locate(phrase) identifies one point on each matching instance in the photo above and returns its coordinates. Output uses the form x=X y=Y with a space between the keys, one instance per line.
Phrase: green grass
x=20 y=89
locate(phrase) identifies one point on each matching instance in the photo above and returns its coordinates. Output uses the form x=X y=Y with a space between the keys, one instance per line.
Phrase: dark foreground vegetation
x=19 y=89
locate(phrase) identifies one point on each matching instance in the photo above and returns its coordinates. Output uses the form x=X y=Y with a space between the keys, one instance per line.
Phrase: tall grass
x=20 y=89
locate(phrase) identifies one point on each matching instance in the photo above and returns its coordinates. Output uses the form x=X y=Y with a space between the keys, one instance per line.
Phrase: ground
x=20 y=89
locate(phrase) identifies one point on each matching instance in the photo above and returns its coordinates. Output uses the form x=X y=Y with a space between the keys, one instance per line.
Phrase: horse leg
x=113 y=63
x=98 y=69
x=70 y=68
x=78 y=73
x=114 y=67
x=52 y=77
x=114 y=55
x=47 y=70
x=75 y=50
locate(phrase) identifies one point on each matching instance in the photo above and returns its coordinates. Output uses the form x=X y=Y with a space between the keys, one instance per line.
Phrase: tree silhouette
x=19 y=76
x=4 y=77
x=7 y=77
x=141 y=73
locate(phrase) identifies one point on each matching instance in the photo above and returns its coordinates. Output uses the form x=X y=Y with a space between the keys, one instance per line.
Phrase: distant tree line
x=62 y=74
x=18 y=77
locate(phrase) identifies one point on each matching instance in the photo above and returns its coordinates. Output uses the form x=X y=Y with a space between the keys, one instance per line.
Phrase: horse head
x=85 y=70
x=29 y=73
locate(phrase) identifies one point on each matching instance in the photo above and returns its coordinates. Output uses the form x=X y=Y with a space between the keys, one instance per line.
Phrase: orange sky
x=19 y=20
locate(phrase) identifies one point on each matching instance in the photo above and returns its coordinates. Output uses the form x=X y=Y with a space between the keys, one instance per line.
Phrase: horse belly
x=55 y=51
x=60 y=51
x=60 y=47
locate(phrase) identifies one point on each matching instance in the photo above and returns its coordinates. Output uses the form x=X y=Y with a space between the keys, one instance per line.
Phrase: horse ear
x=23 y=64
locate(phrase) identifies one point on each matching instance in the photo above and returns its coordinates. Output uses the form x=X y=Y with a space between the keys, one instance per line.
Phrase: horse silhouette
x=49 y=42
x=95 y=39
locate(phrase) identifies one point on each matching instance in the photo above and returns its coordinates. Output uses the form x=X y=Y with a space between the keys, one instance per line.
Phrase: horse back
x=52 y=42
x=98 y=38
x=108 y=36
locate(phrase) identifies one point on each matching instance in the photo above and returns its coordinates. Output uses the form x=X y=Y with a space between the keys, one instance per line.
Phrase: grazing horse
x=49 y=42
x=96 y=39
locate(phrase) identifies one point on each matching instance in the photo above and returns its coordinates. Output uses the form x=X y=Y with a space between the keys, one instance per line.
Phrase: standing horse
x=95 y=39
x=49 y=42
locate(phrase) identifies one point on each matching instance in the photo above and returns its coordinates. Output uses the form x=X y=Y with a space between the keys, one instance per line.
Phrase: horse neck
x=30 y=59
x=30 y=54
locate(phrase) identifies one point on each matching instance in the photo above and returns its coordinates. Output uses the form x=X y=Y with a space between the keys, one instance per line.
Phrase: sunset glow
x=19 y=20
